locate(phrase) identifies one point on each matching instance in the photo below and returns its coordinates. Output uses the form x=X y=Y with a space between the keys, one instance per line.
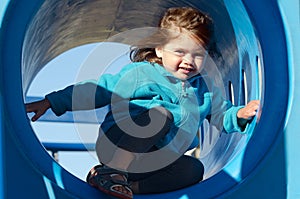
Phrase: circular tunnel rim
x=19 y=15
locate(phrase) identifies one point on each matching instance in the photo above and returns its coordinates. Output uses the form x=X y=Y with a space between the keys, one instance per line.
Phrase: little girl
x=157 y=104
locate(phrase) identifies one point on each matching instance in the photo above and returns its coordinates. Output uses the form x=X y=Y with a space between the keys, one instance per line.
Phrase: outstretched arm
x=38 y=107
x=88 y=94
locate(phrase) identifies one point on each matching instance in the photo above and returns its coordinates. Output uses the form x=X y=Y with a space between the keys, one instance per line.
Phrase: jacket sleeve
x=223 y=114
x=80 y=96
x=92 y=94
x=231 y=121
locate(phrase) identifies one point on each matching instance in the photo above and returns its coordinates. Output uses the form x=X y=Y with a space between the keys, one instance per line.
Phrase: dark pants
x=183 y=172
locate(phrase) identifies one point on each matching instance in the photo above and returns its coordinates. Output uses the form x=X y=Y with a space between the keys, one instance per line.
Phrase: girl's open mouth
x=186 y=69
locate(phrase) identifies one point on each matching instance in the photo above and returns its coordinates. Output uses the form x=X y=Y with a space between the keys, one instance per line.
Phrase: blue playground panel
x=269 y=165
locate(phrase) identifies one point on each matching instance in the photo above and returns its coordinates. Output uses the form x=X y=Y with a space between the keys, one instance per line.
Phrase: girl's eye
x=179 y=52
x=199 y=55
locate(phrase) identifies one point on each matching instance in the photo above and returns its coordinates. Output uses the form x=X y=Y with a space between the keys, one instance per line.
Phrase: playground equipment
x=262 y=164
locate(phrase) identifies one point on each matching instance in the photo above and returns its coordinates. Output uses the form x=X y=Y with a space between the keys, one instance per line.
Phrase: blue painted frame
x=266 y=18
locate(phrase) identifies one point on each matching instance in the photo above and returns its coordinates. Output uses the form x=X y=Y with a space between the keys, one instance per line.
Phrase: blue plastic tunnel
x=253 y=165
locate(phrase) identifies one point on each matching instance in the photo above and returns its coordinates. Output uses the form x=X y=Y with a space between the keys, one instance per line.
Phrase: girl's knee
x=162 y=112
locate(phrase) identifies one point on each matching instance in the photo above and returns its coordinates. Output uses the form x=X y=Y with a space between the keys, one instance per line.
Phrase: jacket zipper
x=183 y=87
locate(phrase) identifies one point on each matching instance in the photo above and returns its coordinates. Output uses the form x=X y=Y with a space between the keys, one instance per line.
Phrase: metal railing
x=55 y=147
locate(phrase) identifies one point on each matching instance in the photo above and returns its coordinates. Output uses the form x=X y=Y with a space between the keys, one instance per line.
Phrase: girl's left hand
x=249 y=110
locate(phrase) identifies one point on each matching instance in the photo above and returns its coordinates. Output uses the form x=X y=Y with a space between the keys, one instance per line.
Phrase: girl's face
x=183 y=57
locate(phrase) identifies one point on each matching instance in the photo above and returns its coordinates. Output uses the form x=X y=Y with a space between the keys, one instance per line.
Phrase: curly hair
x=187 y=19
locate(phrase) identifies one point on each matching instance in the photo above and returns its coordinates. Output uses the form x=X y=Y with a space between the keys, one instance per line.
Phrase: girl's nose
x=188 y=59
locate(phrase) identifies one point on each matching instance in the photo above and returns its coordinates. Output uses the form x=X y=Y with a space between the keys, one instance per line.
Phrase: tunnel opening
x=62 y=25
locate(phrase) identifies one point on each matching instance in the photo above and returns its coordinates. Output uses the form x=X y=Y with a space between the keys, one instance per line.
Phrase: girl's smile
x=183 y=56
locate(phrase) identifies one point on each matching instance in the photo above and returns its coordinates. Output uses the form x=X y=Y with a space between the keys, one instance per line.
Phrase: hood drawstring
x=183 y=86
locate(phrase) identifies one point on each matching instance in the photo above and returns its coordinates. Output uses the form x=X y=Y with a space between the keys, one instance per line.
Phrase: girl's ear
x=159 y=52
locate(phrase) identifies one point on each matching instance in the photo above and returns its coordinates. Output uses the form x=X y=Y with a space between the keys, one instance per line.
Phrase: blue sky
x=78 y=64
x=68 y=63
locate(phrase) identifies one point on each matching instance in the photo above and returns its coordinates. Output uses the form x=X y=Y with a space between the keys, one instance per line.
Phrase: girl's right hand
x=38 y=107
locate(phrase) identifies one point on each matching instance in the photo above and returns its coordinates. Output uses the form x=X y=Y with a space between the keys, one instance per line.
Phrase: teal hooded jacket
x=140 y=86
